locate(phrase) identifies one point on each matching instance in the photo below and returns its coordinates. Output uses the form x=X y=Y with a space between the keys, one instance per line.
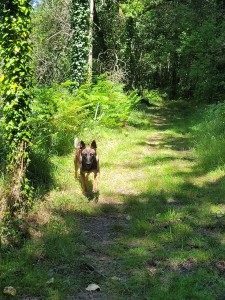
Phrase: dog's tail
x=76 y=142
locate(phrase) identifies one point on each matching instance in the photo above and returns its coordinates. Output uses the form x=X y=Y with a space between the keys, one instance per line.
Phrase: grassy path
x=157 y=231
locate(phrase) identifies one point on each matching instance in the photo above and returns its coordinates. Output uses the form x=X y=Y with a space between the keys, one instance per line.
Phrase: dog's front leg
x=76 y=164
x=95 y=184
x=83 y=183
x=76 y=168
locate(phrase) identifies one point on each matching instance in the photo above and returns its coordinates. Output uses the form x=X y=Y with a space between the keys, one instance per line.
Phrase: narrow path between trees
x=148 y=236
x=142 y=171
x=156 y=232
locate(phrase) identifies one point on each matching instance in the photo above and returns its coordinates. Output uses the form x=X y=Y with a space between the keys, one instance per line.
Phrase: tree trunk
x=90 y=54
x=79 y=47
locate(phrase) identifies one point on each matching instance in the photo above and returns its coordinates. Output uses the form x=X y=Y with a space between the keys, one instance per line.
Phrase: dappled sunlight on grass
x=156 y=231
x=131 y=168
x=172 y=214
x=209 y=178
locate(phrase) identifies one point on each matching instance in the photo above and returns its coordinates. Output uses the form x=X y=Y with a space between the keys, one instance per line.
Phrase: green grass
x=209 y=137
x=157 y=231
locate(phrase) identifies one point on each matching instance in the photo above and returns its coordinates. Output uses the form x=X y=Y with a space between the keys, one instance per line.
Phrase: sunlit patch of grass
x=218 y=210
x=211 y=177
x=171 y=237
x=139 y=119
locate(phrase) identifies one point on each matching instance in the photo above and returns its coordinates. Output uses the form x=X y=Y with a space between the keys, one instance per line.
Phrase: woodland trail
x=156 y=230
x=142 y=167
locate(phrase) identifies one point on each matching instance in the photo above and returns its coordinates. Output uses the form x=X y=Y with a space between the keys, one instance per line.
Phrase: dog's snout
x=88 y=159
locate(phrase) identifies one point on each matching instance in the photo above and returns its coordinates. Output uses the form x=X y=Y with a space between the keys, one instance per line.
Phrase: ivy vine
x=15 y=81
x=80 y=43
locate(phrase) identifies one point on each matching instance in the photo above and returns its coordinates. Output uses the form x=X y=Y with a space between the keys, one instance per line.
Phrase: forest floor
x=155 y=232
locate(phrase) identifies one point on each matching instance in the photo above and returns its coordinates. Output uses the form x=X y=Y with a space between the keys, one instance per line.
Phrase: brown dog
x=86 y=158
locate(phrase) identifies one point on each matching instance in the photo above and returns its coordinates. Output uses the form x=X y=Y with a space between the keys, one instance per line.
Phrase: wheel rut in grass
x=99 y=235
x=135 y=174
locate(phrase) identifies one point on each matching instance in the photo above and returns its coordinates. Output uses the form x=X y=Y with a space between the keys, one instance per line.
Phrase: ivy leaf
x=2 y=77
x=9 y=290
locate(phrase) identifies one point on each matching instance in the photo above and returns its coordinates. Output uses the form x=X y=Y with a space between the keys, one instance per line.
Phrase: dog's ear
x=82 y=145
x=93 y=144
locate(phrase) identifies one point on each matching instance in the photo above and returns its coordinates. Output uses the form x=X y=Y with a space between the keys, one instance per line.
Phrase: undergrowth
x=60 y=112
x=210 y=137
x=168 y=228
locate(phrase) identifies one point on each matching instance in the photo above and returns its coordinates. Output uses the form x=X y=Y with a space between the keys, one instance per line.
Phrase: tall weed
x=210 y=137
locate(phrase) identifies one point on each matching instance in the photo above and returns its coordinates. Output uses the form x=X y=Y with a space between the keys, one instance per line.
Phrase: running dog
x=86 y=158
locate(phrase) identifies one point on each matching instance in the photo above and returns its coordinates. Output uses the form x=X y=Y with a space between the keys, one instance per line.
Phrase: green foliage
x=15 y=82
x=55 y=118
x=154 y=96
x=80 y=45
x=58 y=113
x=51 y=37
x=174 y=46
x=109 y=40
x=106 y=103
x=210 y=137
x=202 y=49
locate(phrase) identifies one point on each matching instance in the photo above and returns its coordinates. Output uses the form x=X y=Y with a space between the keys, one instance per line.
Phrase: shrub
x=59 y=112
x=106 y=103
x=154 y=97
x=210 y=137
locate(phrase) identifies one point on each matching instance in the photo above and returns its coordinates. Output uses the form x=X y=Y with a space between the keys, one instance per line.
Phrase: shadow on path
x=162 y=239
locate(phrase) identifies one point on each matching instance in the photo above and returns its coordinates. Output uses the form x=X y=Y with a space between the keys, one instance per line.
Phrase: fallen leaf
x=9 y=290
x=50 y=280
x=93 y=287
x=115 y=278
x=151 y=270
